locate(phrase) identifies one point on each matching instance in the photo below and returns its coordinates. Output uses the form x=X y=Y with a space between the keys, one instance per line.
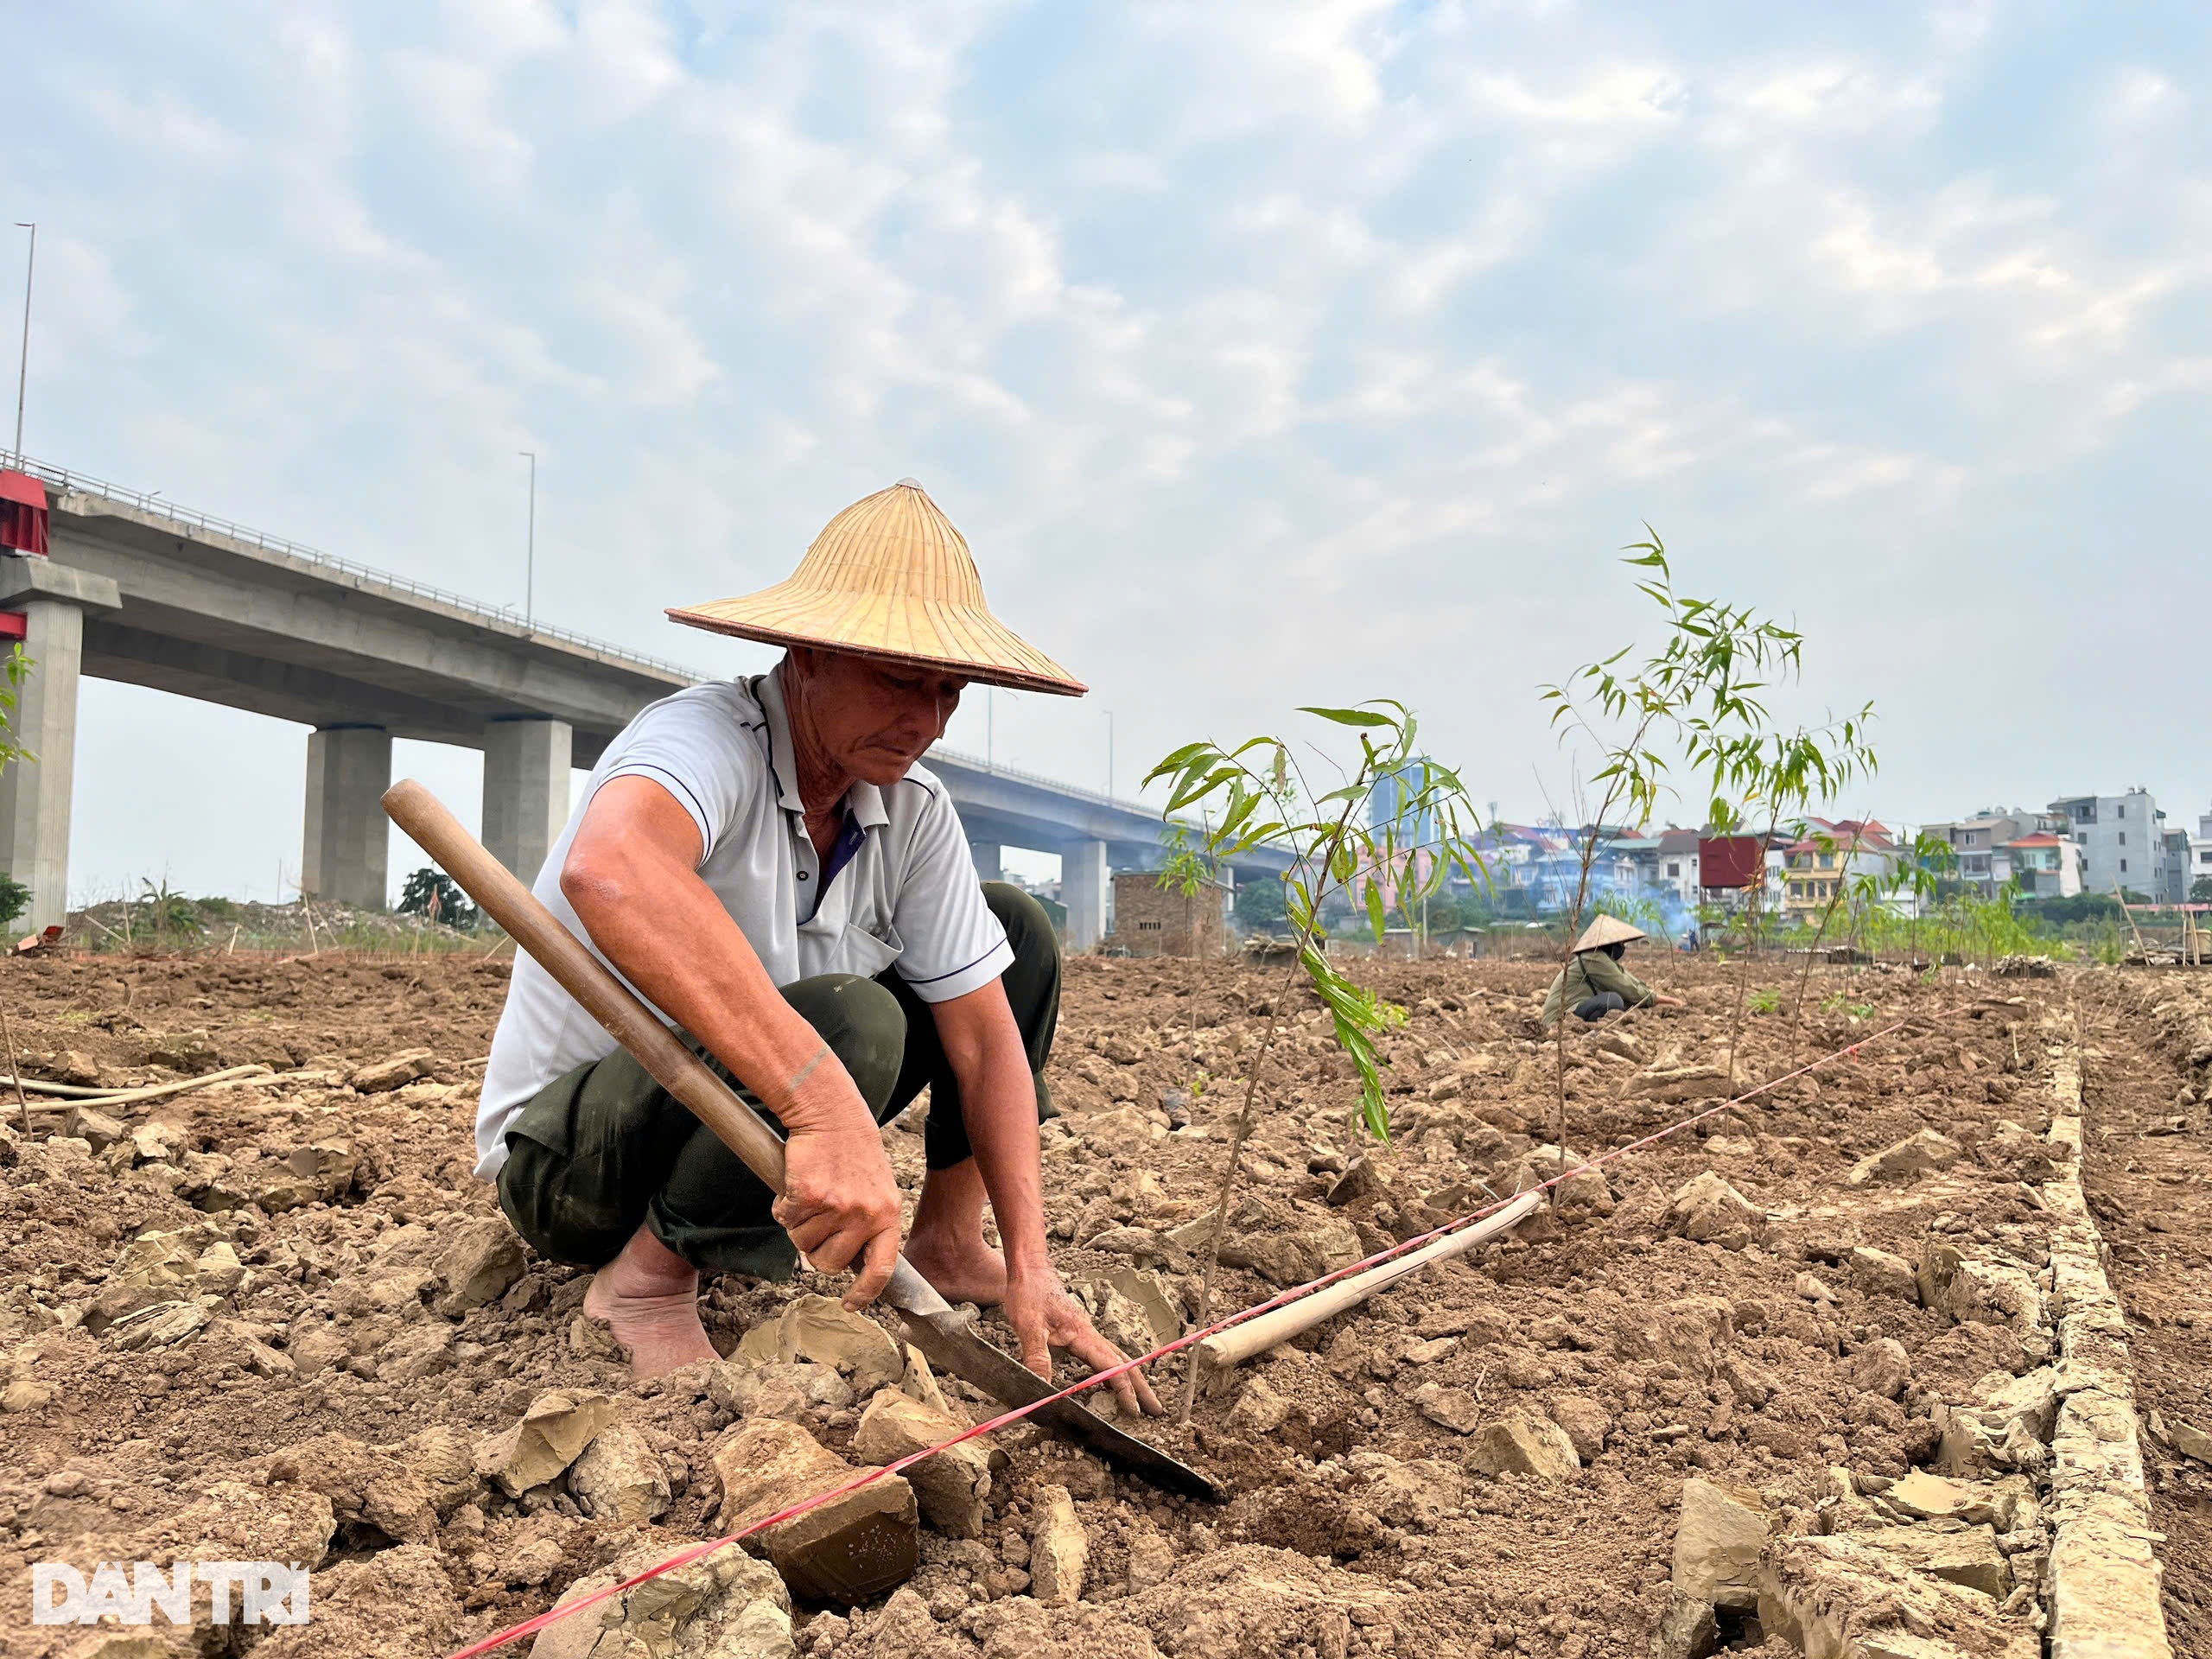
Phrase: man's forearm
x=663 y=930
x=999 y=1109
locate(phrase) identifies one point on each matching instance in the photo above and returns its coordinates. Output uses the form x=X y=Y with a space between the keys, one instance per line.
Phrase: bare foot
x=963 y=1269
x=649 y=1297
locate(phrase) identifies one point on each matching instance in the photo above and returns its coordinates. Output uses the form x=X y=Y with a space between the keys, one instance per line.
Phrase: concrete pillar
x=34 y=791
x=1086 y=892
x=348 y=837
x=525 y=791
x=990 y=860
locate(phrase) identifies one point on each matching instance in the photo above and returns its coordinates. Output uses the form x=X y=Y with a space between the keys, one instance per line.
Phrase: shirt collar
x=863 y=801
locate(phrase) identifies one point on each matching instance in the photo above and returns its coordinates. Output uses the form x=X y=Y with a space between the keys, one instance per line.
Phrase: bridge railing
x=1140 y=807
x=156 y=505
x=1059 y=785
x=64 y=479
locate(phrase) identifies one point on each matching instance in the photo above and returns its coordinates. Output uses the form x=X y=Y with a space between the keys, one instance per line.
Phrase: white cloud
x=1833 y=95
x=1270 y=59
x=165 y=128
x=2141 y=96
x=1634 y=96
x=456 y=101
x=624 y=63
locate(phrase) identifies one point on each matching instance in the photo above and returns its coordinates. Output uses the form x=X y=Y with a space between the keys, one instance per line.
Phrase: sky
x=1267 y=354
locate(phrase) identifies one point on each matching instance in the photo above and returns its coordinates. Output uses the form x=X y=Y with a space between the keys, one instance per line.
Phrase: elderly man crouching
x=764 y=862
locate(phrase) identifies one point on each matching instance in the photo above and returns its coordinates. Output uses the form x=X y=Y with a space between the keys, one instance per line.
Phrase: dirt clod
x=1718 y=1544
x=952 y=1486
x=1522 y=1443
x=551 y=1435
x=850 y=1549
x=726 y=1606
x=1060 y=1550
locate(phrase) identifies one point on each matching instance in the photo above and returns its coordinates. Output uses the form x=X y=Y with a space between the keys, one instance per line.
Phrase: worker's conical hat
x=890 y=578
x=1607 y=930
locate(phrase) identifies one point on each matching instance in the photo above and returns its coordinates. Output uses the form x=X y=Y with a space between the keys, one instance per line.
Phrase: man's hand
x=841 y=1204
x=632 y=874
x=1044 y=1316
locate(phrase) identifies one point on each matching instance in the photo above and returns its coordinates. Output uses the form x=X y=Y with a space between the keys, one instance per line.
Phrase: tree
x=1698 y=698
x=2200 y=891
x=1444 y=915
x=15 y=898
x=430 y=891
x=1265 y=801
x=1188 y=872
x=2093 y=908
x=174 y=917
x=13 y=670
x=1259 y=903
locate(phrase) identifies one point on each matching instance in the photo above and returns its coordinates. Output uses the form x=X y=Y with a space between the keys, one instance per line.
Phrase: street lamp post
x=23 y=364
x=529 y=553
x=1110 y=754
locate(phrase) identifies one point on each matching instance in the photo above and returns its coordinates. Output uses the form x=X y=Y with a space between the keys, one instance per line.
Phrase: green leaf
x=1174 y=763
x=1349 y=716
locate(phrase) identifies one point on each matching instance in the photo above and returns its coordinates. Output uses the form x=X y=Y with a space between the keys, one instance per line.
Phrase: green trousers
x=605 y=1149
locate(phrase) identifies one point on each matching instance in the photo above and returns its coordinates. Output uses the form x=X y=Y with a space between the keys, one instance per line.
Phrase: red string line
x=1297 y=1292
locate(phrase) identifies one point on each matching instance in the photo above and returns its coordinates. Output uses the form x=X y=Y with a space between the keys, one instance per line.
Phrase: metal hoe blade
x=933 y=1327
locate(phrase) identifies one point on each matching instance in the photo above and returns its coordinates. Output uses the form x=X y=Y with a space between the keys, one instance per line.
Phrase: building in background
x=1732 y=870
x=1666 y=873
x=1390 y=807
x=2177 y=876
x=2122 y=838
x=1552 y=872
x=1977 y=844
x=1150 y=920
x=2044 y=865
x=2200 y=858
x=1829 y=856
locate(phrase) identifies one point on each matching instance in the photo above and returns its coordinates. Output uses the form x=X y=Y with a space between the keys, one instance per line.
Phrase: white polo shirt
x=901 y=887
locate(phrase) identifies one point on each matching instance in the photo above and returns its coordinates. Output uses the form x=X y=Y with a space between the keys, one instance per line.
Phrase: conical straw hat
x=890 y=578
x=1607 y=930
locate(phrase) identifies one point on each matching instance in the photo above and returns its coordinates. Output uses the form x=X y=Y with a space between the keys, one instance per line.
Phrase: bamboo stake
x=2141 y=949
x=1240 y=1342
x=74 y=1096
x=21 y=1100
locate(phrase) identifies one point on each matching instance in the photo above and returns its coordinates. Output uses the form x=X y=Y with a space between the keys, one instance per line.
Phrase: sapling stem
x=1333 y=852
x=1246 y=1117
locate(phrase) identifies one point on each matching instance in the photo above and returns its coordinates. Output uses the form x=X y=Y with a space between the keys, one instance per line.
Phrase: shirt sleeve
x=699 y=750
x=1606 y=974
x=953 y=945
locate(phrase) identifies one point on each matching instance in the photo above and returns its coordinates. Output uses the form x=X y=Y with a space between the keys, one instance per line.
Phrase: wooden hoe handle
x=535 y=930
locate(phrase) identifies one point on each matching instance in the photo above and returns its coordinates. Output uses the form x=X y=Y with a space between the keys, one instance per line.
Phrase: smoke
x=1675 y=917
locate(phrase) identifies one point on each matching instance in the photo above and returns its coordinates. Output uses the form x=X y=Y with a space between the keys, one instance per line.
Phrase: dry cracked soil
x=1777 y=1381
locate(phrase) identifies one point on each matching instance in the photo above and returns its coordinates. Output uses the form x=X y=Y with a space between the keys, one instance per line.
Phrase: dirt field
x=1492 y=1458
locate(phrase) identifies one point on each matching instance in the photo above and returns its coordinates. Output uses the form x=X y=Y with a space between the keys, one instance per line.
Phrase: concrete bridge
x=150 y=594
x=1095 y=835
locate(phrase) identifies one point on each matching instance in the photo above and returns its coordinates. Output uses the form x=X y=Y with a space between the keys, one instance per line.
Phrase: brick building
x=1150 y=920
